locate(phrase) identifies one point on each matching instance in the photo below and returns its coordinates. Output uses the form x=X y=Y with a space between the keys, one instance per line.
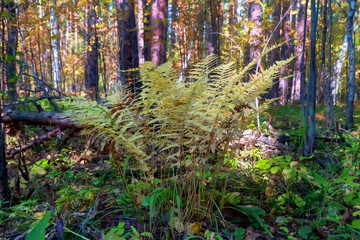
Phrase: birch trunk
x=55 y=48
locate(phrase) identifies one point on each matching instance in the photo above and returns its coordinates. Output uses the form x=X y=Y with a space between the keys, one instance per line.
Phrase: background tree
x=128 y=41
x=55 y=46
x=216 y=24
x=300 y=50
x=11 y=48
x=311 y=93
x=159 y=9
x=255 y=17
x=91 y=54
x=285 y=52
x=324 y=70
x=351 y=52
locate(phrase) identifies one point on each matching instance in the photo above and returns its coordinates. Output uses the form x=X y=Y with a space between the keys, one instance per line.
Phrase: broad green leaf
x=121 y=225
x=357 y=213
x=146 y=234
x=274 y=170
x=304 y=231
x=135 y=232
x=285 y=229
x=298 y=200
x=294 y=164
x=356 y=224
x=38 y=232
x=219 y=237
x=239 y=233
x=255 y=213
x=319 y=179
x=336 y=206
x=289 y=173
x=291 y=238
x=283 y=198
x=145 y=201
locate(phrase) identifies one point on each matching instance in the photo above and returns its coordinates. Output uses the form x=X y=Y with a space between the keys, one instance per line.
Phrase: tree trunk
x=337 y=70
x=275 y=54
x=215 y=14
x=91 y=67
x=55 y=48
x=4 y=185
x=11 y=47
x=11 y=78
x=324 y=71
x=255 y=14
x=201 y=28
x=128 y=43
x=283 y=84
x=302 y=66
x=174 y=17
x=159 y=31
x=141 y=31
x=301 y=28
x=311 y=95
x=351 y=53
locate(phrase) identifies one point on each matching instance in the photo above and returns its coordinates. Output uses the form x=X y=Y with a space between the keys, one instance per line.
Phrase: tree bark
x=276 y=53
x=158 y=20
x=300 y=48
x=55 y=48
x=128 y=42
x=285 y=48
x=91 y=67
x=4 y=184
x=215 y=15
x=337 y=70
x=324 y=71
x=174 y=17
x=11 y=77
x=302 y=66
x=351 y=53
x=11 y=47
x=43 y=118
x=255 y=14
x=311 y=94
x=141 y=31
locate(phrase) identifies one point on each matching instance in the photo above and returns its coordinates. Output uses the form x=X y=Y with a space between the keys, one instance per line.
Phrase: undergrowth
x=176 y=172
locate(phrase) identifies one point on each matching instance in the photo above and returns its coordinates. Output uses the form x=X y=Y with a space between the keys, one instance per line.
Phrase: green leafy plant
x=118 y=233
x=38 y=232
x=211 y=235
x=177 y=132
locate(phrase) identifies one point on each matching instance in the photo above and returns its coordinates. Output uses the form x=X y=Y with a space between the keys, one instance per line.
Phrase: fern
x=176 y=126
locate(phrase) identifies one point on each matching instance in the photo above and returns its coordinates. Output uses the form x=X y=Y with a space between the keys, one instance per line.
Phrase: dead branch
x=33 y=100
x=37 y=141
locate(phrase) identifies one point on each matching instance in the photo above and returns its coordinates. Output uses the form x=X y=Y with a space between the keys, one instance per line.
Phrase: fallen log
x=44 y=118
x=37 y=141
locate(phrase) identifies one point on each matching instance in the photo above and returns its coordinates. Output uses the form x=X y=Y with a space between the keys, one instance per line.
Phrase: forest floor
x=282 y=197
